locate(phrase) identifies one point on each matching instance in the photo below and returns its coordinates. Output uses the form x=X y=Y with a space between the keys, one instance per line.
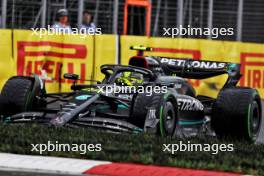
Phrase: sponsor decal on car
x=193 y=63
x=187 y=104
x=82 y=97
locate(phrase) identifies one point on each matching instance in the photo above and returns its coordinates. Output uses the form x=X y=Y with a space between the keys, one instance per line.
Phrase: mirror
x=71 y=76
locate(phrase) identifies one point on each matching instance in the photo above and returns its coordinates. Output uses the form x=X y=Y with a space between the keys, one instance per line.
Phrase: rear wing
x=201 y=69
x=187 y=68
x=197 y=69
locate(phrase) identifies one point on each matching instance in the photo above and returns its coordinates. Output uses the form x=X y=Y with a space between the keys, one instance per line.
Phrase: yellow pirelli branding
x=54 y=56
x=252 y=67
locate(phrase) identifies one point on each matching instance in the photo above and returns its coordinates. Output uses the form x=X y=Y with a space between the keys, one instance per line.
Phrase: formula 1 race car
x=151 y=95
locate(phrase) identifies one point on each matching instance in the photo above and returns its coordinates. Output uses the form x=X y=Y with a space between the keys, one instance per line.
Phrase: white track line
x=46 y=164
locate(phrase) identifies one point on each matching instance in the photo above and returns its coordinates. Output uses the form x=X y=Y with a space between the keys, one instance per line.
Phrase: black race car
x=151 y=95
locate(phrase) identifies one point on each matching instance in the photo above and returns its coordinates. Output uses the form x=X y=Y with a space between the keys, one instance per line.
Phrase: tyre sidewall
x=255 y=103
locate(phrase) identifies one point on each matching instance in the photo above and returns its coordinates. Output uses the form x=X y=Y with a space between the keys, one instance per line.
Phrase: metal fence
x=245 y=16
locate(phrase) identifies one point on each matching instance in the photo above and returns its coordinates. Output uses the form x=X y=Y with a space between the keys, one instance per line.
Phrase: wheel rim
x=169 y=118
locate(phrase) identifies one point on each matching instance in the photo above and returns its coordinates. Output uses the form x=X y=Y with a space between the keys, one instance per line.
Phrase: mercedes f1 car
x=173 y=110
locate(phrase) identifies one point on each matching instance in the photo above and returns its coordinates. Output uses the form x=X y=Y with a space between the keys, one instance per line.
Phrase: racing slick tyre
x=237 y=113
x=164 y=106
x=17 y=95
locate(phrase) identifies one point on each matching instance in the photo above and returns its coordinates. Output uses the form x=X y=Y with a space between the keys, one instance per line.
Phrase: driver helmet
x=130 y=79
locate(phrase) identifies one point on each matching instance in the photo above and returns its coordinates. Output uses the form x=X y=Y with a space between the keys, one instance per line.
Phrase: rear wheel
x=237 y=113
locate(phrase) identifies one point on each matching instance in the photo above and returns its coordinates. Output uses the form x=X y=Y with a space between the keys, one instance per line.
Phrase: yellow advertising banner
x=7 y=63
x=106 y=48
x=251 y=57
x=53 y=55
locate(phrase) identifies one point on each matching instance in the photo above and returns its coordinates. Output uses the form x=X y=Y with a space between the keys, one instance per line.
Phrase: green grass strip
x=135 y=148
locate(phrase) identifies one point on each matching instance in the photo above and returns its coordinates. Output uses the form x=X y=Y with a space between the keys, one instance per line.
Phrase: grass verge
x=141 y=148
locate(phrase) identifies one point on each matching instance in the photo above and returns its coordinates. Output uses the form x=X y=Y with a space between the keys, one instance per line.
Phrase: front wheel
x=168 y=118
x=164 y=107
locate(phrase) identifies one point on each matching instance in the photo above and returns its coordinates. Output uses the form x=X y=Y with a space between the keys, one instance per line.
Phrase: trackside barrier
x=23 y=53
